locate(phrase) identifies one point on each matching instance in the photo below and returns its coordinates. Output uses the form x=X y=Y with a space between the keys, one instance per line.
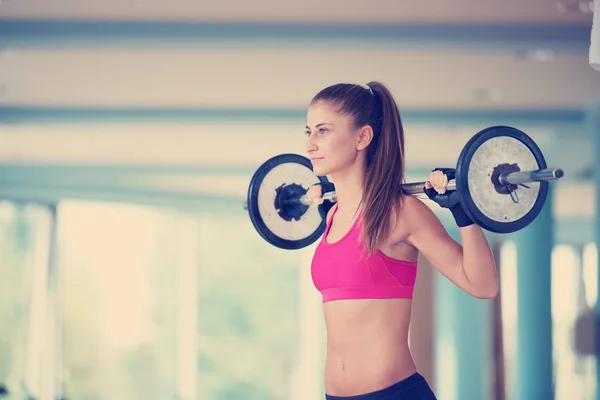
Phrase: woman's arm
x=470 y=266
x=478 y=260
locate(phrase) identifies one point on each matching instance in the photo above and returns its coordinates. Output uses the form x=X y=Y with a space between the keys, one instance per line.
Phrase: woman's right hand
x=315 y=194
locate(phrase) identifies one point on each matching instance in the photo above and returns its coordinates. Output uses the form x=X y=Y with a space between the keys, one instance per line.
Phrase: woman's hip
x=415 y=387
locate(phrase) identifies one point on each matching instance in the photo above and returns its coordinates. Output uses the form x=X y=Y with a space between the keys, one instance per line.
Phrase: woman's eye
x=323 y=130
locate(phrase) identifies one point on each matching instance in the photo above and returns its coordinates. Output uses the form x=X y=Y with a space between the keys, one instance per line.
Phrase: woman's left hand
x=438 y=181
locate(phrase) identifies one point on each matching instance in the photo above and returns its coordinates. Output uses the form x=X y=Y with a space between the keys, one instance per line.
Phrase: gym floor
x=130 y=131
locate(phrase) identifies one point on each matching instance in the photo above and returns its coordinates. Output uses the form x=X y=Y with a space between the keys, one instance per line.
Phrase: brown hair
x=374 y=105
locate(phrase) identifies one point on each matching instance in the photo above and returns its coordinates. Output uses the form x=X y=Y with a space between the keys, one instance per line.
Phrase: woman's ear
x=365 y=136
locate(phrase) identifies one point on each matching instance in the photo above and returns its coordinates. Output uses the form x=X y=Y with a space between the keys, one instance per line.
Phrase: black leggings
x=415 y=387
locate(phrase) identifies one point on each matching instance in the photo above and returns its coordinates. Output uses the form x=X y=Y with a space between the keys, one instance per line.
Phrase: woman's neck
x=349 y=191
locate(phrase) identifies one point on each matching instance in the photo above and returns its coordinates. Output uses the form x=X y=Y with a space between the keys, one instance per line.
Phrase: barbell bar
x=505 y=179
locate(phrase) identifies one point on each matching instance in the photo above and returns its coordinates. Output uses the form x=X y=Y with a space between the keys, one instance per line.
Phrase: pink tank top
x=341 y=271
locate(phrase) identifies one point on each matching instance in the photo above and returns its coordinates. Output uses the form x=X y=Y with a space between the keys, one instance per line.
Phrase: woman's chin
x=320 y=171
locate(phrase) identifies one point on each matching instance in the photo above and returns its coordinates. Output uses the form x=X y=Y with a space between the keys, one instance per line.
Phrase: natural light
x=590 y=273
x=572 y=292
x=508 y=282
x=573 y=372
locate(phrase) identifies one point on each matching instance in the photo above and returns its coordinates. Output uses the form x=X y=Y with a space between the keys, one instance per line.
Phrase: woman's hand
x=315 y=194
x=438 y=181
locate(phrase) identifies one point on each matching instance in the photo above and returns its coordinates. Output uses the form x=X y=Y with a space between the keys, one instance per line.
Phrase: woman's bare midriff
x=367 y=345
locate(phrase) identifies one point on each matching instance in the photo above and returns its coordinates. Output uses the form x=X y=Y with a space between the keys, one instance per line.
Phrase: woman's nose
x=310 y=144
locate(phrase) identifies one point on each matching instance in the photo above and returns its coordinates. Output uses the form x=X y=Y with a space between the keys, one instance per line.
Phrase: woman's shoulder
x=407 y=213
x=412 y=203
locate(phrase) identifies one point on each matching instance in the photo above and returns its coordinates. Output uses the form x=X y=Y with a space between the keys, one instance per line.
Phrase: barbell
x=501 y=180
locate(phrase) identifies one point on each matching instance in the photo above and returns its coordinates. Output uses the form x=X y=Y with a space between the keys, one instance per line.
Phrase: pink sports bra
x=341 y=271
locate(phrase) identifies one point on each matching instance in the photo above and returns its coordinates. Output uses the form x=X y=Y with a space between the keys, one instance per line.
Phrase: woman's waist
x=366 y=368
x=368 y=314
x=366 y=340
x=356 y=348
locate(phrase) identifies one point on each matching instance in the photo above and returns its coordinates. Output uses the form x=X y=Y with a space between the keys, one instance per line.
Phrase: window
x=573 y=292
x=119 y=267
x=508 y=287
x=574 y=373
x=161 y=304
x=24 y=239
x=250 y=342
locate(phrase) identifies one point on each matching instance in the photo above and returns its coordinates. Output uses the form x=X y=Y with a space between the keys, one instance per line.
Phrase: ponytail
x=385 y=171
x=374 y=105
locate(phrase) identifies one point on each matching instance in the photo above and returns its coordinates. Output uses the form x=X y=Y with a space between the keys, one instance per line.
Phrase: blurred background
x=129 y=132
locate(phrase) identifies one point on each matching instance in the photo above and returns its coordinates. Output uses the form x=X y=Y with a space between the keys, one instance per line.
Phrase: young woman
x=366 y=262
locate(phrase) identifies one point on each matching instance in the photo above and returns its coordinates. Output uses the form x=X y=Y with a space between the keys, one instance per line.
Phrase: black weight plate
x=484 y=154
x=279 y=172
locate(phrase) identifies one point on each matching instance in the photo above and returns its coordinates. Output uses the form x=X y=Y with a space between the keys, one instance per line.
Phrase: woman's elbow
x=486 y=292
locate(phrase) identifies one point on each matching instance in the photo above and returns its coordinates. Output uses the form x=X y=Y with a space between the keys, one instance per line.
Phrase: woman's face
x=332 y=142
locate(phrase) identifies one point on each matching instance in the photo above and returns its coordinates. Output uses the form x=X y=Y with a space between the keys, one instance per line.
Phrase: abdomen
x=367 y=345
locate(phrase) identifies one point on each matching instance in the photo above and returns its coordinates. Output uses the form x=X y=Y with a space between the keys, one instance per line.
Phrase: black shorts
x=415 y=387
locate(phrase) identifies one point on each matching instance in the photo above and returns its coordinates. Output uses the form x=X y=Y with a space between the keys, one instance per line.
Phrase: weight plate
x=280 y=175
x=490 y=151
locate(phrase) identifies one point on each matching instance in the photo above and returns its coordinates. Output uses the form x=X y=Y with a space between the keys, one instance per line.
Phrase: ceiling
x=459 y=58
x=332 y=11
x=230 y=77
x=465 y=54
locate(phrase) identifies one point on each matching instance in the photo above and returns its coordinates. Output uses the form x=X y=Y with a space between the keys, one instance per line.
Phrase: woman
x=366 y=262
